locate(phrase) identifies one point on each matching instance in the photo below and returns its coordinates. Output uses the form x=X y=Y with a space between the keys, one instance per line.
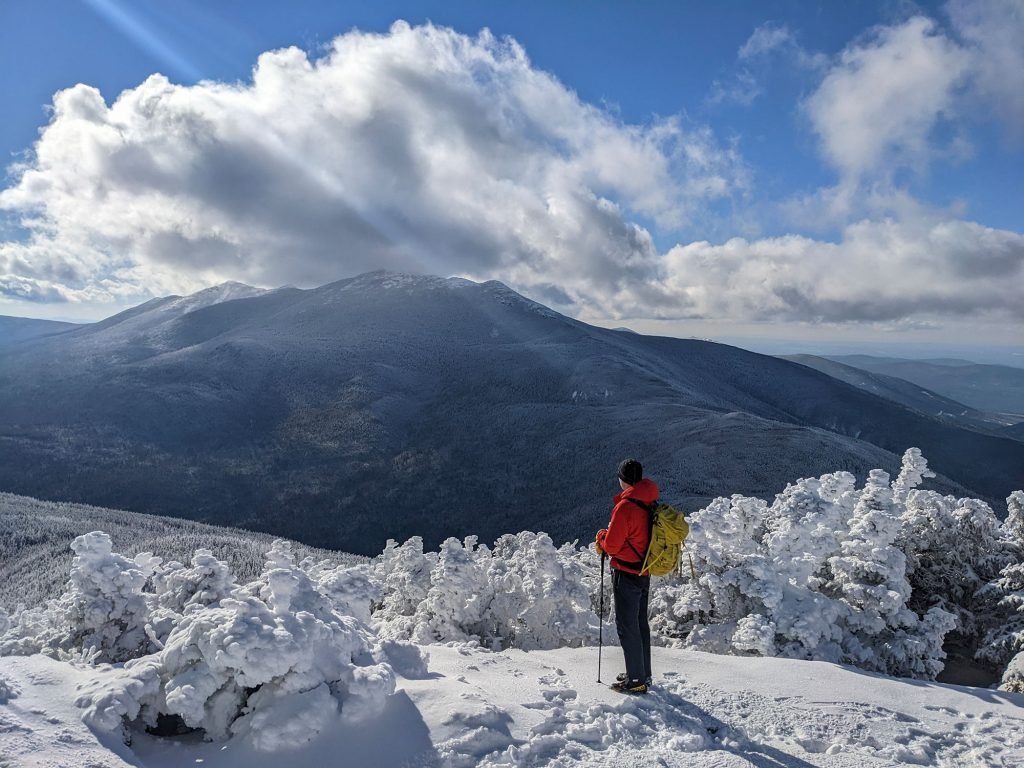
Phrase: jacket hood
x=645 y=490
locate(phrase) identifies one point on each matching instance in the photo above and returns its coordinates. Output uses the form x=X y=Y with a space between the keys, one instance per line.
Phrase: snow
x=476 y=707
x=479 y=655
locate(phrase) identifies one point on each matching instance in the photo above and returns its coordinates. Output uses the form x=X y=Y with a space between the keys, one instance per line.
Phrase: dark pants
x=631 y=593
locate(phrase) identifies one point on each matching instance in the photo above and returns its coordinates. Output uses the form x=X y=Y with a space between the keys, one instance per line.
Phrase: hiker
x=625 y=541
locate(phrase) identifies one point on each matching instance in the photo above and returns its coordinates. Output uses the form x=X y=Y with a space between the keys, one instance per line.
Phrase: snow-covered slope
x=511 y=708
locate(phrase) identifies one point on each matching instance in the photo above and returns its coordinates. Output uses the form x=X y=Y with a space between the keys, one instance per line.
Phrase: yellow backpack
x=669 y=530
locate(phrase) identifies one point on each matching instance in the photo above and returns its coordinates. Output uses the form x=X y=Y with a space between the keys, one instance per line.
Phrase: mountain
x=909 y=394
x=388 y=405
x=15 y=329
x=992 y=388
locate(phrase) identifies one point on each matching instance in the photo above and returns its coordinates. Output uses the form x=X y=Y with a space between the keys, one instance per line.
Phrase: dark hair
x=631 y=471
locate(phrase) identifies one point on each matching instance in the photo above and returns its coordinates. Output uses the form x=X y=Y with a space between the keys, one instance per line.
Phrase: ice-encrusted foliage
x=1004 y=637
x=403 y=573
x=538 y=594
x=913 y=471
x=1013 y=677
x=204 y=582
x=274 y=661
x=178 y=589
x=1013 y=526
x=103 y=610
x=1001 y=601
x=816 y=575
x=267 y=653
x=350 y=588
x=454 y=606
x=523 y=593
x=869 y=573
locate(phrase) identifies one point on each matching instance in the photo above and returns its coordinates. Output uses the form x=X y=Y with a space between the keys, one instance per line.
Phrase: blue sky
x=818 y=172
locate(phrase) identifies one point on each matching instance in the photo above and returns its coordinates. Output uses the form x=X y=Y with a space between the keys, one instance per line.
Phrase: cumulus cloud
x=878 y=271
x=418 y=149
x=427 y=150
x=877 y=107
x=993 y=32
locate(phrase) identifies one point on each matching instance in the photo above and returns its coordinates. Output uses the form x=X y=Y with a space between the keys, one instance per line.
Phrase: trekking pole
x=600 y=619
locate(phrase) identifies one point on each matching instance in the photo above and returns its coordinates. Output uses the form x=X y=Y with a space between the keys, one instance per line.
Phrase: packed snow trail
x=544 y=708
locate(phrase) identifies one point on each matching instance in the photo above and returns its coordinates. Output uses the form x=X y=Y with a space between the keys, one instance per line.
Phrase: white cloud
x=768 y=41
x=876 y=109
x=419 y=149
x=993 y=32
x=765 y=39
x=878 y=272
x=427 y=150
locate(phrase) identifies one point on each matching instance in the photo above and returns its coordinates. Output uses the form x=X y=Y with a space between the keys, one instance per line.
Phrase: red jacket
x=626 y=537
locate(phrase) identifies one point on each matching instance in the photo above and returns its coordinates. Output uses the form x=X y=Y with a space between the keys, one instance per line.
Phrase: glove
x=597 y=542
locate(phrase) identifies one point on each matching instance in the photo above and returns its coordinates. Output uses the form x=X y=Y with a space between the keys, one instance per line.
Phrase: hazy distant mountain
x=14 y=329
x=909 y=394
x=393 y=405
x=993 y=388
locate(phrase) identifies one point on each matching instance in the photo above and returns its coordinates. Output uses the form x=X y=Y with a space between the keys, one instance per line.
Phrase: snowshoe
x=632 y=687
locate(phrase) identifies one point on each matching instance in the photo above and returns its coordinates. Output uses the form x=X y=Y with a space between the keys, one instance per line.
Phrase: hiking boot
x=633 y=687
x=621 y=678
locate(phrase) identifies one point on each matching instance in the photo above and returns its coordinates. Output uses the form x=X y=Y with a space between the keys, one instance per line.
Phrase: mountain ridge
x=380 y=407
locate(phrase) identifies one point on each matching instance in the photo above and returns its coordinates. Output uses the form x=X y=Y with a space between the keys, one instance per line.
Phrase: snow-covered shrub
x=205 y=582
x=403 y=573
x=869 y=573
x=816 y=575
x=732 y=581
x=1013 y=526
x=113 y=696
x=349 y=588
x=524 y=593
x=103 y=608
x=1004 y=637
x=273 y=661
x=913 y=471
x=178 y=589
x=538 y=595
x=1013 y=677
x=453 y=609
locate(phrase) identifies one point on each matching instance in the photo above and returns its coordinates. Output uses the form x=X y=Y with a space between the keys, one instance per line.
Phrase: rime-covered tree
x=869 y=574
x=913 y=471
x=103 y=610
x=1013 y=525
x=1004 y=637
x=454 y=606
x=538 y=597
x=804 y=528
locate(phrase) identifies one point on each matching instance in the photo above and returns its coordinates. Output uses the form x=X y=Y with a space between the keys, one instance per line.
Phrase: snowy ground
x=477 y=708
